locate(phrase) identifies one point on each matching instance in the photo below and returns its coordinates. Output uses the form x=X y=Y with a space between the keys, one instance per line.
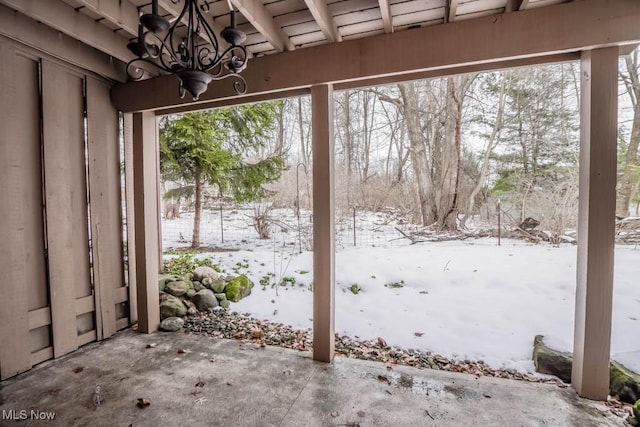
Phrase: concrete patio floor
x=217 y=382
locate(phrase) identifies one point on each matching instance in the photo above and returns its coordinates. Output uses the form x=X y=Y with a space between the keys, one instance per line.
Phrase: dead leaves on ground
x=142 y=403
x=384 y=379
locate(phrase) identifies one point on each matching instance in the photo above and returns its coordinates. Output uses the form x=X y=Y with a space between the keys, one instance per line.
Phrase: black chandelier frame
x=195 y=60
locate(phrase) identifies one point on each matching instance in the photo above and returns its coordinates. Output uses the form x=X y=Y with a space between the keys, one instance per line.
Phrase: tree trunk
x=303 y=141
x=493 y=140
x=348 y=143
x=195 y=241
x=457 y=88
x=419 y=160
x=279 y=150
x=629 y=172
x=630 y=164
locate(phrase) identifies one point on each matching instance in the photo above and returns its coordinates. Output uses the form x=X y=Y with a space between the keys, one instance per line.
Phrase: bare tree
x=434 y=133
x=492 y=141
x=630 y=166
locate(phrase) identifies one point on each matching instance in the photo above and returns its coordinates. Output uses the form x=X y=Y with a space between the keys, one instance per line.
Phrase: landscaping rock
x=190 y=293
x=163 y=279
x=205 y=300
x=636 y=410
x=238 y=288
x=185 y=278
x=222 y=300
x=624 y=382
x=177 y=289
x=172 y=324
x=197 y=286
x=191 y=307
x=550 y=361
x=217 y=286
x=204 y=272
x=172 y=307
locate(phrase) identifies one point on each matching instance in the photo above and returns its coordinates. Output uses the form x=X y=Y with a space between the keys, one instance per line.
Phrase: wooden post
x=323 y=223
x=131 y=223
x=145 y=181
x=596 y=218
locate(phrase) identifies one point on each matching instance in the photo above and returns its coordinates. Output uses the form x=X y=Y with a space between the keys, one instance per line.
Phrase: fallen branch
x=410 y=237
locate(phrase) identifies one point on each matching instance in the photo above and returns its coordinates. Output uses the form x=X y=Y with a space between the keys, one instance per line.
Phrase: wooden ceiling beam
x=451 y=11
x=378 y=81
x=122 y=13
x=387 y=17
x=262 y=20
x=67 y=20
x=483 y=42
x=324 y=19
x=175 y=9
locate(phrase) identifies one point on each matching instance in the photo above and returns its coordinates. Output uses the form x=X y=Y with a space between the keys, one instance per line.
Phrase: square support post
x=323 y=223
x=146 y=217
x=596 y=221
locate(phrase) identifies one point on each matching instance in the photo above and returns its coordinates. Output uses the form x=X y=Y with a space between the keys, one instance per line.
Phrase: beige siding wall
x=60 y=186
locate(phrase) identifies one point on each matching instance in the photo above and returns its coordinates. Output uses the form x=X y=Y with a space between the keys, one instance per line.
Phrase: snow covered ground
x=463 y=299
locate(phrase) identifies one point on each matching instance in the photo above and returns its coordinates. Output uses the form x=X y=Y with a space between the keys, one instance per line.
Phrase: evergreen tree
x=215 y=148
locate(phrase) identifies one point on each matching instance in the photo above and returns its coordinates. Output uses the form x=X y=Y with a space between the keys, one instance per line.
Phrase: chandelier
x=193 y=52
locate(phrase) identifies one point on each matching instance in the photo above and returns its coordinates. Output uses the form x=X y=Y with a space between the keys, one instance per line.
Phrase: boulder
x=217 y=286
x=204 y=300
x=222 y=300
x=191 y=307
x=204 y=272
x=185 y=278
x=172 y=324
x=197 y=286
x=177 y=289
x=622 y=381
x=238 y=288
x=550 y=361
x=190 y=293
x=172 y=307
x=163 y=279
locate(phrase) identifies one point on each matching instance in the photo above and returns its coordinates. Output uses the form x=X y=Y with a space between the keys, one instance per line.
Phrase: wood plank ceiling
x=274 y=26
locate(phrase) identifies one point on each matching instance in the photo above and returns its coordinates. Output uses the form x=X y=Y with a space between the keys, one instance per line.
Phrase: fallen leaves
x=361 y=414
x=78 y=369
x=228 y=324
x=418 y=334
x=142 y=402
x=384 y=379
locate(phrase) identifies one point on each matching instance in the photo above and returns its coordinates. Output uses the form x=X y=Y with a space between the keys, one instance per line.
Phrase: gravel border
x=222 y=323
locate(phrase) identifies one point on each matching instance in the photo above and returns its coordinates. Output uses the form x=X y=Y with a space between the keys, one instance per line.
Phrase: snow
x=467 y=299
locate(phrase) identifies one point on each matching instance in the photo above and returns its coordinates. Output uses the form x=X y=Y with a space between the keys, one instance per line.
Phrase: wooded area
x=448 y=153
